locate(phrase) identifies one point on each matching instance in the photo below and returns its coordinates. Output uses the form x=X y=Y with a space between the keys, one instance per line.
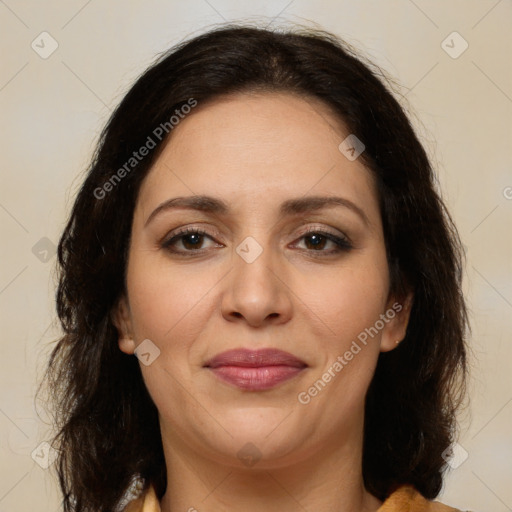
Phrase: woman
x=260 y=229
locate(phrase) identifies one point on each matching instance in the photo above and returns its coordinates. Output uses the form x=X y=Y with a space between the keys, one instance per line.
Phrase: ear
x=121 y=319
x=397 y=315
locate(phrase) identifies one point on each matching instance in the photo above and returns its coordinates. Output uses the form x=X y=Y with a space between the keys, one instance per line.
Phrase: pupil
x=196 y=240
x=318 y=241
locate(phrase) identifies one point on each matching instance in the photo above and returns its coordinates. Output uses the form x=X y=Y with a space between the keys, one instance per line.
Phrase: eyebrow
x=289 y=207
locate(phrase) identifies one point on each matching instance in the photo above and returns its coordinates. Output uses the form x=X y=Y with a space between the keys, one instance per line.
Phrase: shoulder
x=146 y=502
x=404 y=499
x=407 y=499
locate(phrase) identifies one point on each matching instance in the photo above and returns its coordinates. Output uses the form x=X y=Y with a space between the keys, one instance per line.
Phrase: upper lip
x=255 y=358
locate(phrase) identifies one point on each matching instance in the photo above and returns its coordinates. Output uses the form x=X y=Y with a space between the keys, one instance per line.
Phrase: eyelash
x=343 y=243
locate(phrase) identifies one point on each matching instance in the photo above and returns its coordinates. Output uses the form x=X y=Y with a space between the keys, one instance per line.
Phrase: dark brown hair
x=107 y=424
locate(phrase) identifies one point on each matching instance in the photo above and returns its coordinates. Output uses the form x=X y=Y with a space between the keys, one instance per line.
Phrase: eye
x=316 y=240
x=190 y=239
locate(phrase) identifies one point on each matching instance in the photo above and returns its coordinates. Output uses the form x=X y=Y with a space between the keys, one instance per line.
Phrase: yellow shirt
x=404 y=499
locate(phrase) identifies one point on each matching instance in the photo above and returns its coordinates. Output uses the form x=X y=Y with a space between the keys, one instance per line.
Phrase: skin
x=255 y=151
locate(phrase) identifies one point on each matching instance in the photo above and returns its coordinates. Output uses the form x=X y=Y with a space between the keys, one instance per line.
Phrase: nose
x=256 y=292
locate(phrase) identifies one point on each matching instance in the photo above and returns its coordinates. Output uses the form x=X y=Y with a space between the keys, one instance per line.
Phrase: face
x=288 y=254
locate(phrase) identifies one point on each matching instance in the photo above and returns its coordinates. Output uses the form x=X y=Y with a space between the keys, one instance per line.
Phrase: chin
x=260 y=440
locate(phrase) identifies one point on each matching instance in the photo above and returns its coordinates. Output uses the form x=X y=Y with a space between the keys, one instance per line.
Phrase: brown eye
x=316 y=241
x=191 y=240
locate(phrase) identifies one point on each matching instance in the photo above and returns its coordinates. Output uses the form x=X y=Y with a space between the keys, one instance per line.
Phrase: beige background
x=52 y=111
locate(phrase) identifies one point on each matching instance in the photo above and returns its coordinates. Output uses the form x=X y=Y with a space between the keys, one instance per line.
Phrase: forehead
x=258 y=148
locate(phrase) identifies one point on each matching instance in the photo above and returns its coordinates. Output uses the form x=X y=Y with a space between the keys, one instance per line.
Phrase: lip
x=255 y=370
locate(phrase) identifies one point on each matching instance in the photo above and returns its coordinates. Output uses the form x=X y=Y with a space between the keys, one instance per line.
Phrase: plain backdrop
x=66 y=64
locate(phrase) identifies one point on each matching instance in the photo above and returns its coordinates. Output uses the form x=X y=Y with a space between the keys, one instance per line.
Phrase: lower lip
x=255 y=379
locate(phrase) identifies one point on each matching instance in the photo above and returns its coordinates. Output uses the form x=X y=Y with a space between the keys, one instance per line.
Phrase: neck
x=325 y=479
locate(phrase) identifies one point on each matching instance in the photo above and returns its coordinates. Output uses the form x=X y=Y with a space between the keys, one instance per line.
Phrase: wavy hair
x=107 y=429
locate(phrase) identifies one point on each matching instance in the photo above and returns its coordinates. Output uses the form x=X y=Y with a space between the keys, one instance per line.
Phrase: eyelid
x=335 y=236
x=210 y=232
x=323 y=229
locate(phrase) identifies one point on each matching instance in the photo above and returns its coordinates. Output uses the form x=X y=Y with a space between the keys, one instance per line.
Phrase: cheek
x=346 y=300
x=163 y=297
x=169 y=306
x=348 y=304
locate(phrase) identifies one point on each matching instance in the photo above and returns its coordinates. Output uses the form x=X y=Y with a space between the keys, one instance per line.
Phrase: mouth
x=255 y=370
